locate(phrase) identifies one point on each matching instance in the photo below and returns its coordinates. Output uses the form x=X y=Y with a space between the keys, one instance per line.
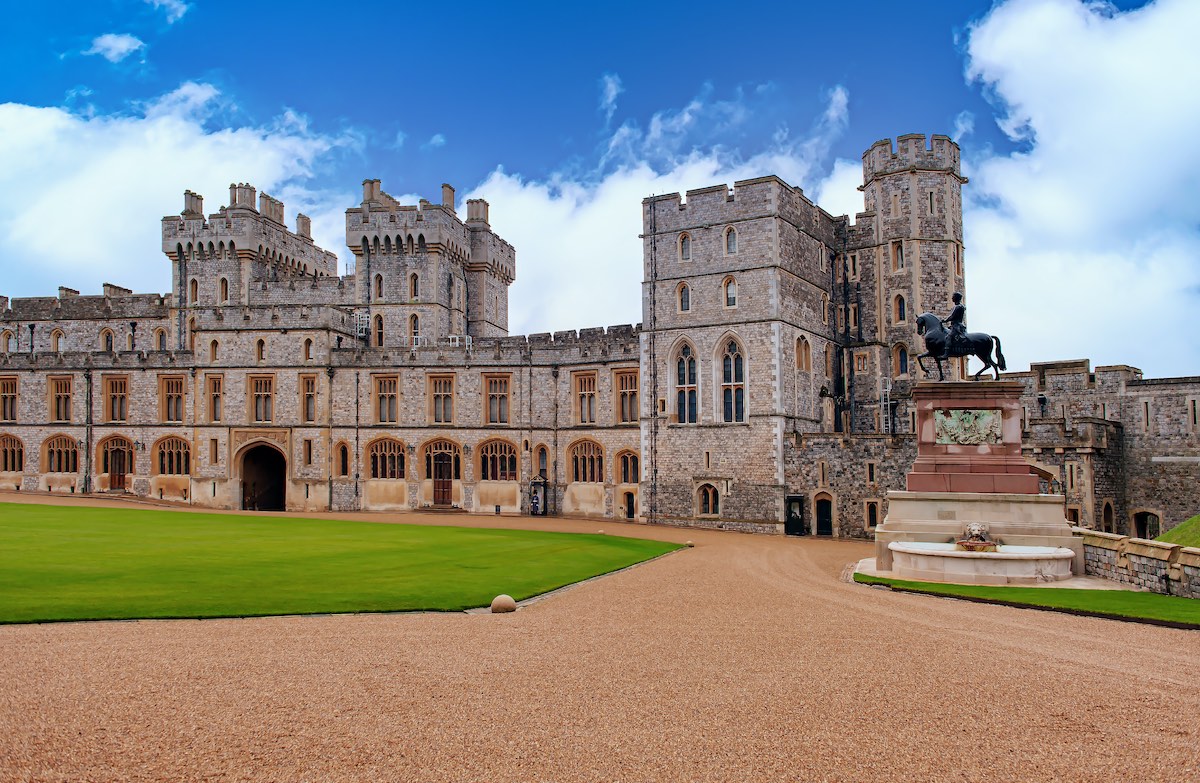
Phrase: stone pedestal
x=969 y=468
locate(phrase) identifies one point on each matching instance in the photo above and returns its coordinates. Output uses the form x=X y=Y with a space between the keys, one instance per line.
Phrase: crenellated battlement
x=912 y=152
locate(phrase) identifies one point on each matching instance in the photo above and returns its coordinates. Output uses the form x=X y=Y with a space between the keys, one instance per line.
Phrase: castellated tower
x=216 y=259
x=903 y=257
x=423 y=274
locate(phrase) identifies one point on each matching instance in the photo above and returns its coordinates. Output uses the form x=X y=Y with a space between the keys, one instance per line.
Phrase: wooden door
x=443 y=479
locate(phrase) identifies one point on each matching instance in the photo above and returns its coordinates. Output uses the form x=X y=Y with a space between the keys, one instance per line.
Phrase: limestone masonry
x=768 y=387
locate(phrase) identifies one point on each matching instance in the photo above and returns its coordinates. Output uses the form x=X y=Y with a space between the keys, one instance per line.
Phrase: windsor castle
x=767 y=388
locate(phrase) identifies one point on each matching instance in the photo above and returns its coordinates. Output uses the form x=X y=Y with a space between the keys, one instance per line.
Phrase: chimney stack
x=67 y=293
x=448 y=196
x=477 y=210
x=303 y=226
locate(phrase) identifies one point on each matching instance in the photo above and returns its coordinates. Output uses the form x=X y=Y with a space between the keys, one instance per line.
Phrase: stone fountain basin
x=927 y=561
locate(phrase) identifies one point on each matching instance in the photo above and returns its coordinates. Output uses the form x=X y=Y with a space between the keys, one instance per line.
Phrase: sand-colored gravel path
x=742 y=659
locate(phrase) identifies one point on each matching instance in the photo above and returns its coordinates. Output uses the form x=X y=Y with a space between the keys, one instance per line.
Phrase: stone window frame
x=901 y=361
x=414 y=287
x=172 y=399
x=958 y=264
x=684 y=246
x=385 y=459
x=214 y=397
x=627 y=409
x=193 y=292
x=60 y=398
x=872 y=471
x=852 y=266
x=56 y=338
x=586 y=458
x=441 y=406
x=629 y=464
x=160 y=339
x=307 y=450
x=729 y=292
x=214 y=348
x=1146 y=411
x=683 y=298
x=541 y=457
x=214 y=457
x=854 y=316
x=442 y=446
x=260 y=350
x=414 y=329
x=114 y=390
x=896 y=254
x=685 y=357
x=728 y=384
x=708 y=501
x=264 y=414
x=377 y=286
x=899 y=309
x=824 y=308
x=868 y=504
x=861 y=362
x=803 y=354
x=309 y=398
x=9 y=398
x=342 y=461
x=60 y=451
x=8 y=341
x=1191 y=413
x=1109 y=520
x=497 y=387
x=307 y=351
x=12 y=454
x=116 y=442
x=223 y=291
x=498 y=460
x=171 y=456
x=108 y=340
x=377 y=330
x=729 y=241
x=385 y=398
x=585 y=396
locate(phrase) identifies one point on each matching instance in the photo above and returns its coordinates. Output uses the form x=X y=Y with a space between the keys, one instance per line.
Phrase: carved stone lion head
x=977 y=530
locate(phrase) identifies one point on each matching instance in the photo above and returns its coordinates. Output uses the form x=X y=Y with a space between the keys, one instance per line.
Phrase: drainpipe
x=87 y=455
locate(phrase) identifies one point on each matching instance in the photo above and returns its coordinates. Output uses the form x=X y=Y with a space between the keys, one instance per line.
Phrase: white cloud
x=435 y=141
x=125 y=172
x=610 y=88
x=115 y=47
x=579 y=258
x=398 y=142
x=175 y=9
x=1085 y=243
x=964 y=125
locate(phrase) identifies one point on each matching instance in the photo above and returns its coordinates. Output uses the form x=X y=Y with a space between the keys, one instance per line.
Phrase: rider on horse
x=956 y=322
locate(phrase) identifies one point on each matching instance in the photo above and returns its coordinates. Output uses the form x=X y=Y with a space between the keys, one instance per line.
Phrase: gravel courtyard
x=744 y=658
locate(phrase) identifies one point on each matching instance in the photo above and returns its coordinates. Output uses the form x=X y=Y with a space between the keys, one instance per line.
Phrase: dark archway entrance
x=1145 y=525
x=264 y=479
x=793 y=519
x=824 y=516
x=629 y=505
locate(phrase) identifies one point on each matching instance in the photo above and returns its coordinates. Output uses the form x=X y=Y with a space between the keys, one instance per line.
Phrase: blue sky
x=1075 y=120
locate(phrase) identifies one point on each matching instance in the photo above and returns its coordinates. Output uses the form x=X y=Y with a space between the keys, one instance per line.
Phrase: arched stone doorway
x=630 y=505
x=824 y=507
x=264 y=479
x=1146 y=524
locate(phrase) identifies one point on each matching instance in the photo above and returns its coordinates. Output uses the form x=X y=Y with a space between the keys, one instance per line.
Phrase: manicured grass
x=1185 y=533
x=72 y=563
x=1106 y=603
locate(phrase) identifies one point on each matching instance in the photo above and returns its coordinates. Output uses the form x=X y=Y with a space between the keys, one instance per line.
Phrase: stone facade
x=767 y=389
x=1169 y=569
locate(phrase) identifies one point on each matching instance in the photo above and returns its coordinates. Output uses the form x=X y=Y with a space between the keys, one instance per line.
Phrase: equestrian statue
x=942 y=344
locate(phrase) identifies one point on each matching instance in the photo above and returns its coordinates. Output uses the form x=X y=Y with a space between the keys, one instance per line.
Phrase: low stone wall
x=770 y=528
x=1169 y=569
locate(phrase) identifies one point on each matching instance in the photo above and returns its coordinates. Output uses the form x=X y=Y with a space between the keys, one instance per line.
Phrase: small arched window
x=414 y=328
x=8 y=343
x=498 y=461
x=730 y=287
x=587 y=462
x=61 y=455
x=686 y=411
x=308 y=350
x=379 y=331
x=212 y=351
x=685 y=298
x=343 y=453
x=900 y=360
x=414 y=286
x=107 y=340
x=56 y=340
x=260 y=351
x=193 y=291
x=420 y=243
x=733 y=384
x=825 y=308
x=160 y=340
x=685 y=247
x=378 y=286
x=708 y=501
x=899 y=310
x=629 y=467
x=543 y=456
x=731 y=245
x=803 y=355
x=224 y=287
x=192 y=334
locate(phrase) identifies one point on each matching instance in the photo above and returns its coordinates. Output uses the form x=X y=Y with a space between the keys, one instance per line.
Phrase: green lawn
x=1107 y=603
x=72 y=563
x=1185 y=533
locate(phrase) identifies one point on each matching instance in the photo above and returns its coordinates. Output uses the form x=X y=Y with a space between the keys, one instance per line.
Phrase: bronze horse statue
x=975 y=344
